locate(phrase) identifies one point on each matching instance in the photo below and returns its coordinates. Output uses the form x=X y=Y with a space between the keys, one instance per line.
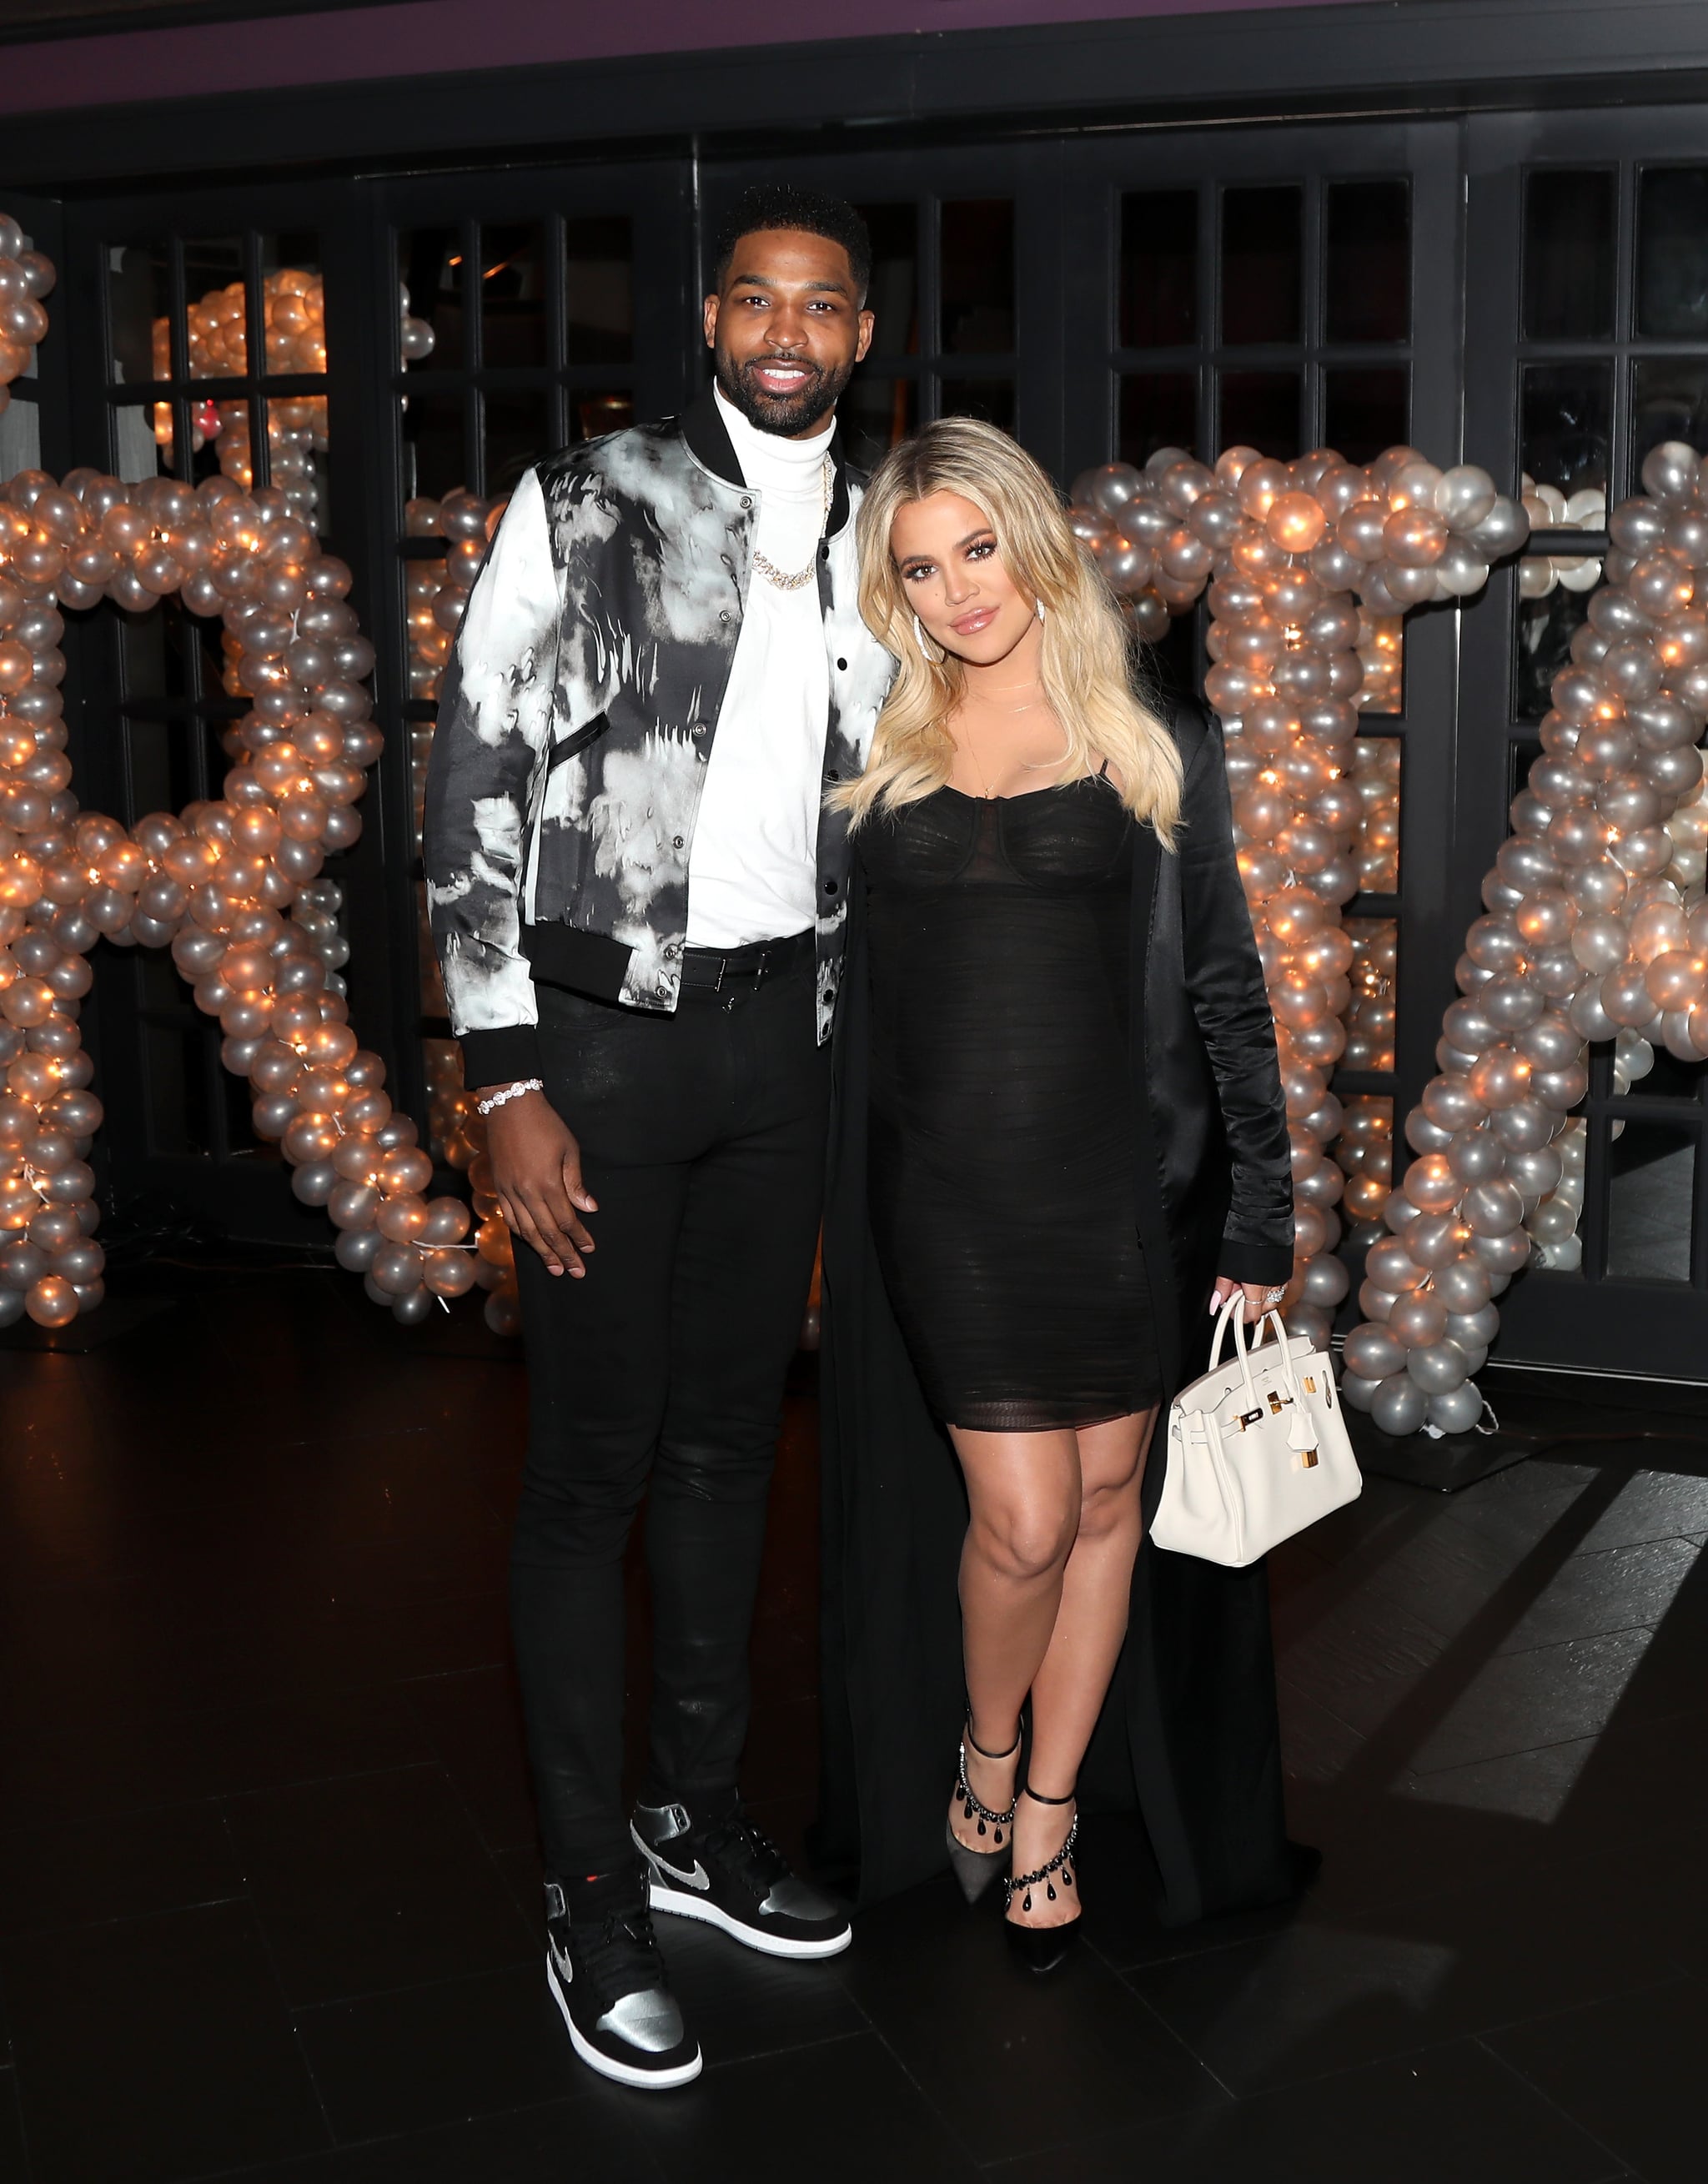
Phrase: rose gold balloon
x=52 y=1301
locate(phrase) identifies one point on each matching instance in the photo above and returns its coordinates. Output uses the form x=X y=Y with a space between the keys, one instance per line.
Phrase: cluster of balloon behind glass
x=233 y=884
x=1595 y=927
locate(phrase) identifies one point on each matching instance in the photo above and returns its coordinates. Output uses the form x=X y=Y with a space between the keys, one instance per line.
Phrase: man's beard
x=787 y=415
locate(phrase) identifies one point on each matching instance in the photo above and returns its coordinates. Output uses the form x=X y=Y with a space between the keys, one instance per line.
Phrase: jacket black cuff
x=500 y=1057
x=1271 y=1264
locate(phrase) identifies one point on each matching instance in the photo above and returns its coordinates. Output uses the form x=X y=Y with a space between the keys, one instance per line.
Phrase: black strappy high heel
x=1041 y=1948
x=975 y=1870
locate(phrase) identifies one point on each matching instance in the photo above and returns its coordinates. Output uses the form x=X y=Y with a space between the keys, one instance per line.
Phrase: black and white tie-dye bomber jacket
x=580 y=707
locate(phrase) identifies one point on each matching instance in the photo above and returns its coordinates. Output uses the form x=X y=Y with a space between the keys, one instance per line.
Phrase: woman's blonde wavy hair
x=1089 y=663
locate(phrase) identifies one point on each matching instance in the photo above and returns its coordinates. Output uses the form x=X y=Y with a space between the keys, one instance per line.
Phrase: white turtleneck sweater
x=753 y=868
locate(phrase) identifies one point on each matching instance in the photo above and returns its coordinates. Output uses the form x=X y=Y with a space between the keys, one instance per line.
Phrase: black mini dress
x=1000 y=1152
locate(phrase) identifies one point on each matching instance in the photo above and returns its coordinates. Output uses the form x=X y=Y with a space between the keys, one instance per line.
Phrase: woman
x=1058 y=1096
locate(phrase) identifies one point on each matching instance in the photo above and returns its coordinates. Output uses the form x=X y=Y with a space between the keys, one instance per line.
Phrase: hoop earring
x=922 y=642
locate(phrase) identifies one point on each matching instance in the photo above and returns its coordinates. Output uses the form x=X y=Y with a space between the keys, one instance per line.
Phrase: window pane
x=893 y=299
x=1260 y=409
x=1668 y=401
x=1376 y=769
x=1565 y=424
x=1177 y=657
x=1262 y=266
x=591 y=414
x=1366 y=408
x=158 y=772
x=978 y=277
x=512 y=294
x=429 y=642
x=176 y=1065
x=1669 y=1079
x=1159 y=268
x=293 y=297
x=599 y=290
x=138 y=299
x=221 y=442
x=1381 y=649
x=156 y=655
x=430 y=267
x=875 y=414
x=296 y=440
x=992 y=399
x=1651 y=1169
x=1369 y=1015
x=432 y=993
x=518 y=432
x=434 y=456
x=1672 y=251
x=1365 y=1151
x=1368 y=281
x=214 y=291
x=1569 y=253
x=1158 y=409
x=1544 y=630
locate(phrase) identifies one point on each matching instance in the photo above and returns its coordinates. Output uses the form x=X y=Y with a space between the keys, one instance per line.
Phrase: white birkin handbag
x=1258 y=1448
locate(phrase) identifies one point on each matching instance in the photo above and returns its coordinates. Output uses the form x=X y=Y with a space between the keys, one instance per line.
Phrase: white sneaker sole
x=625 y=2074
x=683 y=1904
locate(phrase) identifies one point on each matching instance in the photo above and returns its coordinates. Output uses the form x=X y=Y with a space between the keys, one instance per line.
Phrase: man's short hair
x=772 y=205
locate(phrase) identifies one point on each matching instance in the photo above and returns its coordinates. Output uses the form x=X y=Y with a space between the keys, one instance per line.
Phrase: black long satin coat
x=1188 y=1733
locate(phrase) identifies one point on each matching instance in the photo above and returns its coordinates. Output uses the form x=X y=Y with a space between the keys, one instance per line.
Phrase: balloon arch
x=1594 y=925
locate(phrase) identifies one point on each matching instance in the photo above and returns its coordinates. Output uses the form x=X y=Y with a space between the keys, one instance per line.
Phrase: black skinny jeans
x=702 y=1138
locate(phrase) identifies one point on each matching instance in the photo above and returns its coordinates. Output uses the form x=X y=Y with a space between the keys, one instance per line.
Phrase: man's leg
x=597 y=1352
x=743 y=1261
x=638 y=1094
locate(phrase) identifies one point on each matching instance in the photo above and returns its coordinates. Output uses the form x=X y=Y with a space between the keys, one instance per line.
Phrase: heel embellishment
x=1061 y=1863
x=971 y=1806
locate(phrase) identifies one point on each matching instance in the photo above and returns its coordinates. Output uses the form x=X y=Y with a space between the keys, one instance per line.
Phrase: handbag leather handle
x=1233 y=1311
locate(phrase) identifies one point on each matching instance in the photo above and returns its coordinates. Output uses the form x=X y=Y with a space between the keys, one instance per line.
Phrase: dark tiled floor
x=268 y=1882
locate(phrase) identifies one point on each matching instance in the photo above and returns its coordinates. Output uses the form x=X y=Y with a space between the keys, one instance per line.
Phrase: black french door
x=1587 y=346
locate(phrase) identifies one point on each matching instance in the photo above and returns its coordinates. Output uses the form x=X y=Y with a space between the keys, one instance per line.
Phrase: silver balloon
x=1399 y=1406
x=1438 y=1368
x=1457 y=1410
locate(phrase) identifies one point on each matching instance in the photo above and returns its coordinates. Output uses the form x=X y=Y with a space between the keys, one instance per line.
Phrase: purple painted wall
x=425 y=37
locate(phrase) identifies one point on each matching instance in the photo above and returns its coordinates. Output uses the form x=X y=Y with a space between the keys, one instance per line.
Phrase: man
x=639 y=903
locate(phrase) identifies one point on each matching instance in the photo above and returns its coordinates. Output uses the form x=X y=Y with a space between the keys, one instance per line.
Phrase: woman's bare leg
x=1025 y=1494
x=1070 y=1682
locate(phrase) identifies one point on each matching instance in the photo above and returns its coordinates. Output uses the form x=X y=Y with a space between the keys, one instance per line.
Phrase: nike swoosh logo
x=560 y=1957
x=699 y=1878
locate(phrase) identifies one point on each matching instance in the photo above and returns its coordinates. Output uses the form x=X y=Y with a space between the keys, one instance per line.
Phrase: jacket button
x=843 y=665
x=724 y=613
x=747 y=500
x=829 y=887
x=676 y=841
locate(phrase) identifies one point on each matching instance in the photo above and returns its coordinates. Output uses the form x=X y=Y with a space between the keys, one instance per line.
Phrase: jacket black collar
x=709 y=442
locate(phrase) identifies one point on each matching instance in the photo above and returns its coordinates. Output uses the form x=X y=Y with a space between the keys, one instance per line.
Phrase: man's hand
x=536 y=1170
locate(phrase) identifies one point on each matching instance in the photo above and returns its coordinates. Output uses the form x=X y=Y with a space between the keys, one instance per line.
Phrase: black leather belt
x=713 y=970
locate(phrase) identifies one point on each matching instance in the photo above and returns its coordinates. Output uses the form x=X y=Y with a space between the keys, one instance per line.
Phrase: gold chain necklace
x=781 y=579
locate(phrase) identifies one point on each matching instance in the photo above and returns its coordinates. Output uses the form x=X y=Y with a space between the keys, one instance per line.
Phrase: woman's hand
x=1258 y=1300
x=536 y=1170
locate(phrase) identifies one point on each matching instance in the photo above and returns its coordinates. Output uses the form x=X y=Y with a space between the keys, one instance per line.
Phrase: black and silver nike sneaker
x=604 y=1969
x=729 y=1874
